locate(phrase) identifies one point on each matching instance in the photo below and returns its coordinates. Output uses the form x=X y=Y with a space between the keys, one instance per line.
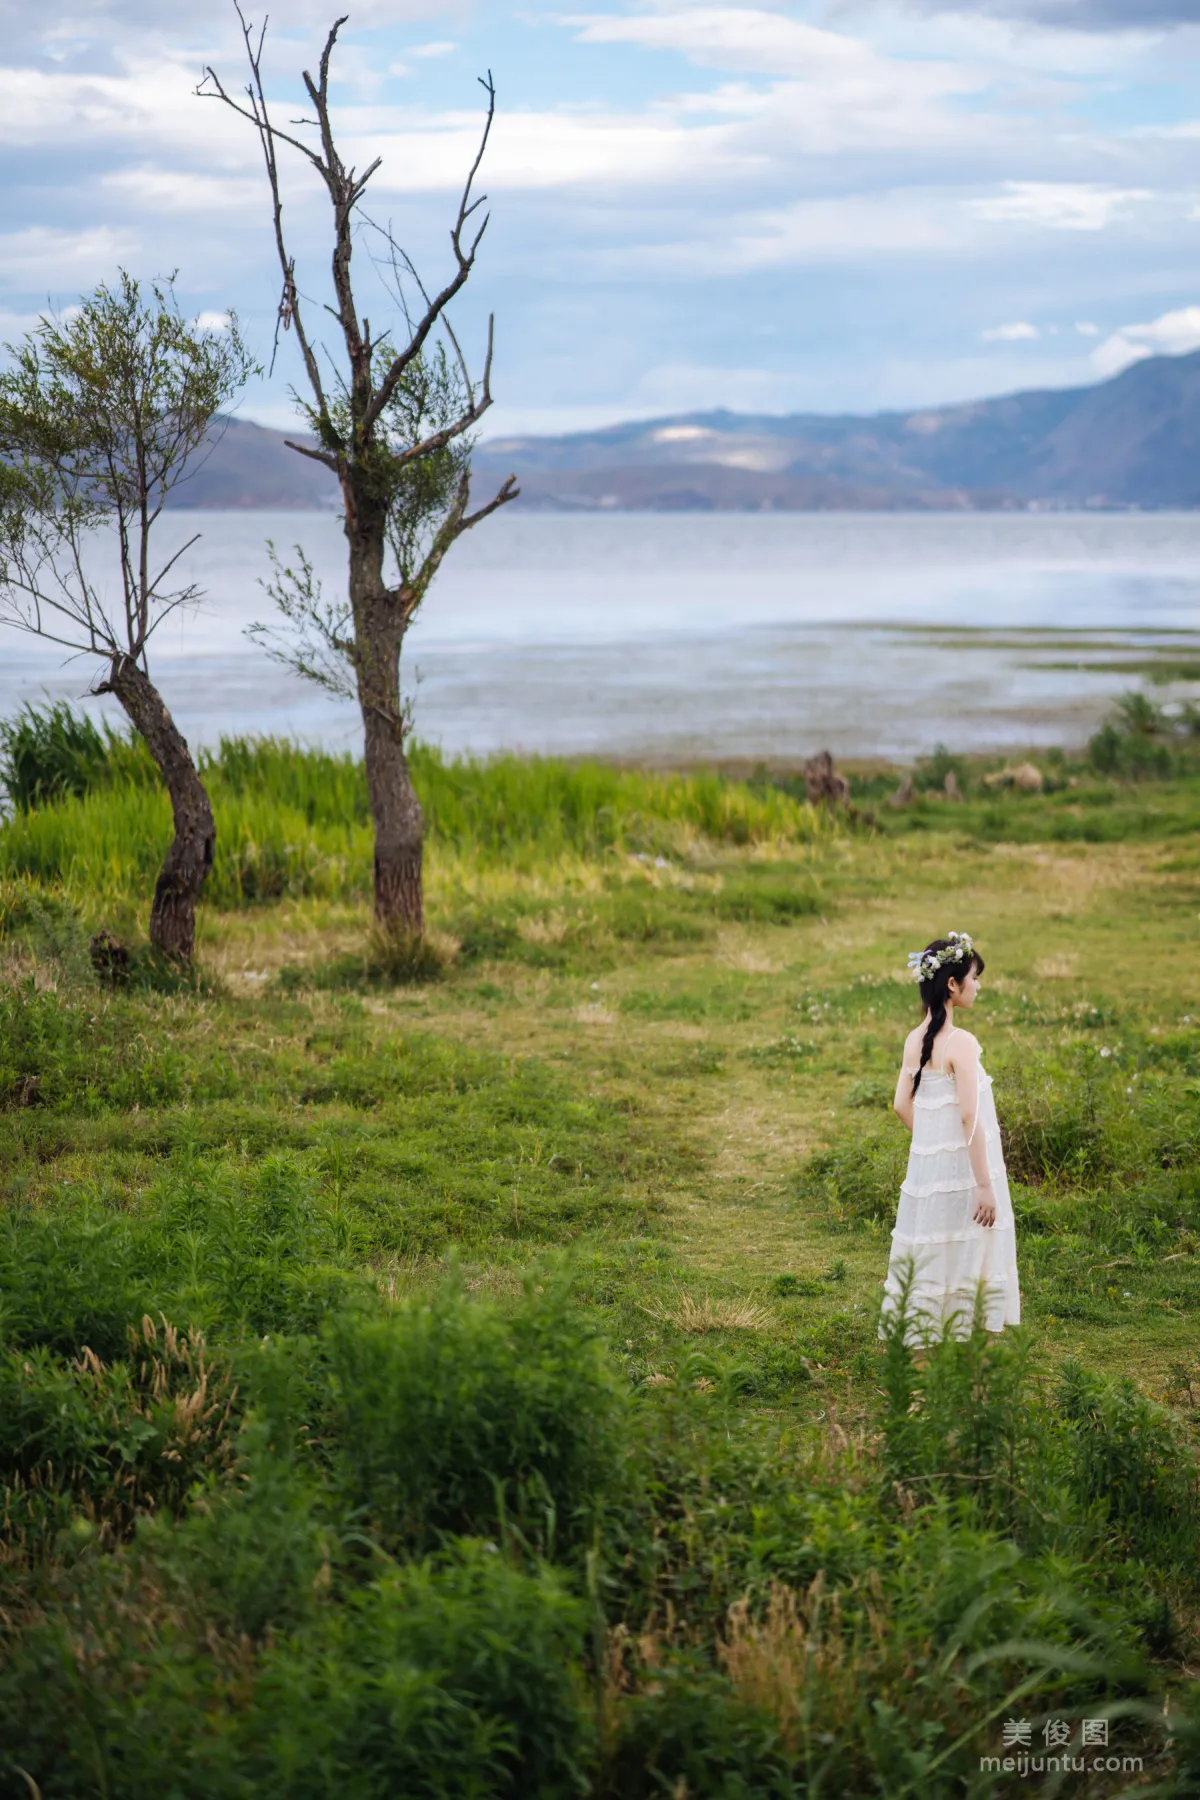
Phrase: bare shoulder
x=912 y=1045
x=963 y=1046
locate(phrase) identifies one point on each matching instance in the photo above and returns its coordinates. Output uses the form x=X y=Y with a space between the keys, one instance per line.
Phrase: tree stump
x=822 y=783
x=110 y=959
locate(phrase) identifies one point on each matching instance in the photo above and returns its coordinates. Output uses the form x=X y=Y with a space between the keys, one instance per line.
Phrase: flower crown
x=924 y=964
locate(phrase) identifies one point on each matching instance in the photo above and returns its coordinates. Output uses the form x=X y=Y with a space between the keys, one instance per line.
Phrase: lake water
x=682 y=637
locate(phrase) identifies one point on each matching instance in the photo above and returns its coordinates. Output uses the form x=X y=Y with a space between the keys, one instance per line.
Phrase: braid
x=937 y=1018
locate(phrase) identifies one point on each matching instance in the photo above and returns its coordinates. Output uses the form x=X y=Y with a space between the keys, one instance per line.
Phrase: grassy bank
x=471 y=1387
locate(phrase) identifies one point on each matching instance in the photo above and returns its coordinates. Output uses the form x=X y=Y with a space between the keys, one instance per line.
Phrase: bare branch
x=172 y=560
x=509 y=491
x=465 y=260
x=322 y=456
x=259 y=116
x=456 y=522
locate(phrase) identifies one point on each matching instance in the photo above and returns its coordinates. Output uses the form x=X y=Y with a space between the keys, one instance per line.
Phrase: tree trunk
x=183 y=874
x=380 y=622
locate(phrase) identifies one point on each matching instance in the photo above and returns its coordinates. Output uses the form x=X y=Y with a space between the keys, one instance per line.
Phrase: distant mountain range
x=1133 y=441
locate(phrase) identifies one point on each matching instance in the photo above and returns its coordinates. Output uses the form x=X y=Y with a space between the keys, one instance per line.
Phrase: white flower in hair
x=926 y=963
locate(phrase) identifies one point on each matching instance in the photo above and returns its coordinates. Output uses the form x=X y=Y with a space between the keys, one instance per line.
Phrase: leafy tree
x=101 y=412
x=391 y=416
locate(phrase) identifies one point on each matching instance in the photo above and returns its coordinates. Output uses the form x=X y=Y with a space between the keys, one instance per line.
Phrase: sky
x=822 y=205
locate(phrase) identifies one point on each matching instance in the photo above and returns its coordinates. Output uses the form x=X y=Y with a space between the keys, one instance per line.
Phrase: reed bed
x=294 y=823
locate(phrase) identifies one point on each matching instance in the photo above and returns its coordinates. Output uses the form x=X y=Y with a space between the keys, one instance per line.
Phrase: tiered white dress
x=950 y=1255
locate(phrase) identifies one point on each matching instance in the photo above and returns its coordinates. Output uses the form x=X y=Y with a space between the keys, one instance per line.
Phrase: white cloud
x=1059 y=205
x=829 y=230
x=750 y=40
x=212 y=321
x=832 y=90
x=1171 y=334
x=1085 y=328
x=442 y=48
x=60 y=29
x=184 y=191
x=40 y=257
x=1019 y=331
x=537 y=150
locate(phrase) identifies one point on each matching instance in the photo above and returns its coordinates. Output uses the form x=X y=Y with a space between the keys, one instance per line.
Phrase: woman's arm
x=902 y=1105
x=965 y=1062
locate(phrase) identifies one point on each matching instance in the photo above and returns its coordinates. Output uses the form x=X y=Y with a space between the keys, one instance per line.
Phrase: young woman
x=954 y=1236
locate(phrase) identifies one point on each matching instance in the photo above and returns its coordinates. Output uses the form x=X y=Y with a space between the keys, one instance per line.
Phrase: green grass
x=471 y=1385
x=293 y=823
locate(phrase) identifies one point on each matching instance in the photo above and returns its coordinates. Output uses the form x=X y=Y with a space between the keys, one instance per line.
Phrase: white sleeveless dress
x=950 y=1254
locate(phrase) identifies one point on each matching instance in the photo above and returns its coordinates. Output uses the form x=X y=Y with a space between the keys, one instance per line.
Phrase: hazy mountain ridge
x=1132 y=441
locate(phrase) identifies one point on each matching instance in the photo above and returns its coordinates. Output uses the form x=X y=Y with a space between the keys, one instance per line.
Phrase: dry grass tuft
x=706 y=1314
x=554 y=928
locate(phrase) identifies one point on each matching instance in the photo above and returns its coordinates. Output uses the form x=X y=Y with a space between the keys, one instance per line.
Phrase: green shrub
x=1129 y=1464
x=114 y=1440
x=969 y=1424
x=859 y=1177
x=451 y=1417
x=1057 y=1121
x=1131 y=743
x=687 y=1731
x=438 y=1681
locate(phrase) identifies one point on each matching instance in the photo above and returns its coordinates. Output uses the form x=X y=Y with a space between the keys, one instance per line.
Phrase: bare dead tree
x=390 y=414
x=100 y=414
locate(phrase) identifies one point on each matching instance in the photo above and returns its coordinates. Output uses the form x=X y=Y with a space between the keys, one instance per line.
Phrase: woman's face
x=964 y=992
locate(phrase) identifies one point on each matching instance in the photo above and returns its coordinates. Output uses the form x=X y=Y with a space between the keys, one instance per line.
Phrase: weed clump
x=453 y=1419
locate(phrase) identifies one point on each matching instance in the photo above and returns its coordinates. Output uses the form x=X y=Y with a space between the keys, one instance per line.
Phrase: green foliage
x=805 y=1566
x=1135 y=741
x=1128 y=1463
x=858 y=1178
x=796 y=1615
x=511 y=806
x=1088 y=1459
x=81 y=1055
x=49 y=752
x=293 y=822
x=100 y=1443
x=100 y=411
x=421 y=499
x=1097 y=797
x=1059 y=1121
x=225 y=1250
x=453 y=1419
x=1129 y=753
x=931 y=771
x=688 y=1731
x=435 y=1680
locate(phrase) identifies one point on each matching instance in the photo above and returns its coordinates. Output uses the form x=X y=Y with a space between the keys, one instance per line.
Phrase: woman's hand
x=985 y=1206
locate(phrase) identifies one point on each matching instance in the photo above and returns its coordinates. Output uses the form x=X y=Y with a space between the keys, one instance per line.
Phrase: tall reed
x=295 y=822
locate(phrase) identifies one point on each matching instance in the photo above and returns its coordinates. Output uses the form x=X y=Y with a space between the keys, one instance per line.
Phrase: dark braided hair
x=935 y=993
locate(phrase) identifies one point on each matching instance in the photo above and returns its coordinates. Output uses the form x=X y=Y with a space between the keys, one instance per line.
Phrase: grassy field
x=349 y=1323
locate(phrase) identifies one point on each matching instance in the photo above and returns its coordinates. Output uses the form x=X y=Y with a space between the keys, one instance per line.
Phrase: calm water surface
x=709 y=635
